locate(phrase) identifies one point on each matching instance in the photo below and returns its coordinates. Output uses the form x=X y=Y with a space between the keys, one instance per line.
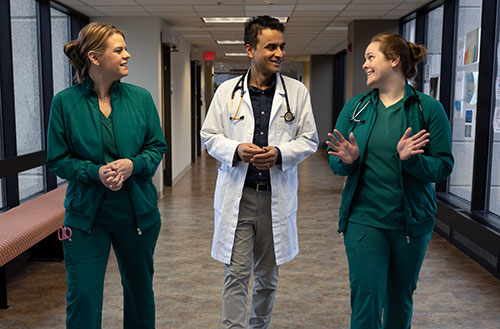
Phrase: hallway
x=454 y=292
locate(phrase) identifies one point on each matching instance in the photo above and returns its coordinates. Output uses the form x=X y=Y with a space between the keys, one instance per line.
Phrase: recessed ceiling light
x=230 y=42
x=235 y=54
x=233 y=20
x=336 y=28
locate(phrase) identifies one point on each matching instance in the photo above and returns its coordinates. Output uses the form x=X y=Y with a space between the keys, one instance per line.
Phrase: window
x=432 y=64
x=25 y=54
x=494 y=199
x=61 y=68
x=465 y=99
x=31 y=182
x=409 y=30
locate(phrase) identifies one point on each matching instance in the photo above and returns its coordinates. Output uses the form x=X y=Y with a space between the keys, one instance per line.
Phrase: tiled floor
x=454 y=292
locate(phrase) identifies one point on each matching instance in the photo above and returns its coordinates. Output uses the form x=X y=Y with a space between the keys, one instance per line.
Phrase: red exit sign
x=209 y=55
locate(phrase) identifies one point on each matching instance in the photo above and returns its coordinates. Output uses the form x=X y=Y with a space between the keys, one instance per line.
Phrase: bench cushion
x=27 y=224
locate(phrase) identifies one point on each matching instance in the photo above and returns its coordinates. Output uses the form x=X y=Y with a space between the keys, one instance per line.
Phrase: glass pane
x=31 y=182
x=59 y=22
x=409 y=30
x=25 y=56
x=494 y=204
x=61 y=68
x=432 y=64
x=466 y=82
x=2 y=194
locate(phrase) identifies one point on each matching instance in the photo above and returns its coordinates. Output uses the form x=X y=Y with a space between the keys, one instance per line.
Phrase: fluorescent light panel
x=210 y=20
x=230 y=42
x=235 y=54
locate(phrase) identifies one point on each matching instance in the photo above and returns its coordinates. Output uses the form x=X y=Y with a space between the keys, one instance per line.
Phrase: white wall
x=181 y=110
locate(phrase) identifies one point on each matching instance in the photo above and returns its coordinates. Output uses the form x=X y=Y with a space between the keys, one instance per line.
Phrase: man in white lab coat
x=260 y=126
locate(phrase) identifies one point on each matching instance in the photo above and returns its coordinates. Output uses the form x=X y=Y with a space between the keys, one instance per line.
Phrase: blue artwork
x=468 y=116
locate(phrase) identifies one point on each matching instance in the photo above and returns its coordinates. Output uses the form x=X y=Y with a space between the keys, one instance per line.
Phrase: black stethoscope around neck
x=356 y=113
x=289 y=116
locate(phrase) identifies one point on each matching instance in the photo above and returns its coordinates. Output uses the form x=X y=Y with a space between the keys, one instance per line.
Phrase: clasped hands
x=262 y=158
x=113 y=174
x=348 y=150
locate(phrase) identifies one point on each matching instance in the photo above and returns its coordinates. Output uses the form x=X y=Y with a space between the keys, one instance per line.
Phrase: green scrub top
x=378 y=200
x=116 y=206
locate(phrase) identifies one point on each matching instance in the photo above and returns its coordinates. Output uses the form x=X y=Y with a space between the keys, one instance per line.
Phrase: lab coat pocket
x=287 y=130
x=221 y=189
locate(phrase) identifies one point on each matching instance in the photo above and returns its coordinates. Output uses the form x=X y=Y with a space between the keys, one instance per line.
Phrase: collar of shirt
x=253 y=89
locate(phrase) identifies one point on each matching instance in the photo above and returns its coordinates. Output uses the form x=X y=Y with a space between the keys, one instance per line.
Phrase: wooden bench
x=24 y=226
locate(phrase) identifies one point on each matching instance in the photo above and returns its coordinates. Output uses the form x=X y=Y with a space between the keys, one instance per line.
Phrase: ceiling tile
x=71 y=3
x=319 y=7
x=121 y=9
x=215 y=2
x=163 y=2
x=109 y=2
x=269 y=2
x=364 y=13
x=86 y=10
x=175 y=14
x=324 y=2
x=327 y=14
x=372 y=6
x=169 y=8
x=274 y=10
x=219 y=9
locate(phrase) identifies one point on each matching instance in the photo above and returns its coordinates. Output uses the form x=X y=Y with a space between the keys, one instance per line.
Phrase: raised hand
x=347 y=151
x=408 y=146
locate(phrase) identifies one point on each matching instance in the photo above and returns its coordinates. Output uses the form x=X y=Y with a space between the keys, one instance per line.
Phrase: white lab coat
x=296 y=141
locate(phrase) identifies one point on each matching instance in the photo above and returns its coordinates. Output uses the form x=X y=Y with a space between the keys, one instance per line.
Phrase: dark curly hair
x=255 y=25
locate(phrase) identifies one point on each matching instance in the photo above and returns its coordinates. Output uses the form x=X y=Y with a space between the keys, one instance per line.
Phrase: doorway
x=167 y=115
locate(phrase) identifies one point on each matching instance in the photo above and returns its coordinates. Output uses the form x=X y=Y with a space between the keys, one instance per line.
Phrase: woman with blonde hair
x=105 y=139
x=392 y=143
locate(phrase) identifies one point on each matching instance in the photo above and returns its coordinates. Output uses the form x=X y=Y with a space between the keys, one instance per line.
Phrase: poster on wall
x=458 y=109
x=470 y=87
x=496 y=120
x=460 y=49
x=498 y=70
x=435 y=65
x=472 y=47
x=468 y=131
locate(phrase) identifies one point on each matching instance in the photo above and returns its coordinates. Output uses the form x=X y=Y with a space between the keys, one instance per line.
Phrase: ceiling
x=314 y=27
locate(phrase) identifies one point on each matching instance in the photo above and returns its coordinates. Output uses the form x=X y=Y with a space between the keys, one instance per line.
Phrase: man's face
x=269 y=52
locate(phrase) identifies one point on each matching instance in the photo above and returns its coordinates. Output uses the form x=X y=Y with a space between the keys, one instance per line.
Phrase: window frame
x=10 y=163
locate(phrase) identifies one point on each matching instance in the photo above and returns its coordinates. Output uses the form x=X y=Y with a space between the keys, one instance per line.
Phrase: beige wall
x=142 y=35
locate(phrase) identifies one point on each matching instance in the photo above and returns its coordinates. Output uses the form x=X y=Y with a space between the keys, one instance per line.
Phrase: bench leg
x=49 y=249
x=3 y=288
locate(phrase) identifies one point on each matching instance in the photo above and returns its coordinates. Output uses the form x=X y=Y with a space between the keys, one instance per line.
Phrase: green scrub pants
x=383 y=271
x=86 y=257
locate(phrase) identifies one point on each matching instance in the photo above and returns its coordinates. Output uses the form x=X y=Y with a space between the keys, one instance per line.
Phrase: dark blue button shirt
x=262 y=101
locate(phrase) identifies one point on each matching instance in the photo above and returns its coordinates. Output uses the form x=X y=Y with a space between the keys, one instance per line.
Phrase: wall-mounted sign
x=209 y=55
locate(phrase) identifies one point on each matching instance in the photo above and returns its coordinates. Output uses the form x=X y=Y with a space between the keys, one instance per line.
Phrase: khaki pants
x=253 y=248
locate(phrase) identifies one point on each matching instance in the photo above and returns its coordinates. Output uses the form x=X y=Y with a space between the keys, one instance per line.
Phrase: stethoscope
x=289 y=116
x=356 y=113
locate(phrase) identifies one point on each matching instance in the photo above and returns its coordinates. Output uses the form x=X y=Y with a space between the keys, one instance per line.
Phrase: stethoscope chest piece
x=289 y=117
